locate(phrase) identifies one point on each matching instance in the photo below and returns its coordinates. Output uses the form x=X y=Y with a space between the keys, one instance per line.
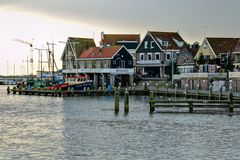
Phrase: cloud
x=137 y=15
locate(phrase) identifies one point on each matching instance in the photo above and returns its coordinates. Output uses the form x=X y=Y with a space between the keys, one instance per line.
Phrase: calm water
x=34 y=127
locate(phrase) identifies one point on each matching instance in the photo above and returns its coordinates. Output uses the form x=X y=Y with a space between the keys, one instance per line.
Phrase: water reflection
x=34 y=127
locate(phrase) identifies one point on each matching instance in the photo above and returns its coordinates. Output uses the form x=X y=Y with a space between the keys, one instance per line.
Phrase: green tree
x=227 y=62
x=201 y=59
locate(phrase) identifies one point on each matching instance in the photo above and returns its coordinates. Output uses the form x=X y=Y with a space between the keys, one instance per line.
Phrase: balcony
x=129 y=71
x=149 y=62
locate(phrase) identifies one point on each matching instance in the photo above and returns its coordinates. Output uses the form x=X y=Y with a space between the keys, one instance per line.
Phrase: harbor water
x=39 y=127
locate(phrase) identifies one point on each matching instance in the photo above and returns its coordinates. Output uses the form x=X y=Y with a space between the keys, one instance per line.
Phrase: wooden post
x=210 y=91
x=198 y=90
x=175 y=90
x=220 y=92
x=126 y=101
x=99 y=91
x=157 y=87
x=116 y=95
x=134 y=86
x=152 y=101
x=88 y=90
x=190 y=107
x=230 y=97
x=8 y=90
x=186 y=91
x=167 y=89
x=14 y=90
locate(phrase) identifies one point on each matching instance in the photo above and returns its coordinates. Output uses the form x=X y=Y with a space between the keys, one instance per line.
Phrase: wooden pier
x=227 y=102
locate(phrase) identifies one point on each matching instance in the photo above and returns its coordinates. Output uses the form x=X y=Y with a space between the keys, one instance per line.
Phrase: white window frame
x=158 y=56
x=149 y=54
x=170 y=56
x=146 y=44
x=165 y=43
x=152 y=44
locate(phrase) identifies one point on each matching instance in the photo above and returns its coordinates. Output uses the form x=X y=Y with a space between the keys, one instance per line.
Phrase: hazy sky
x=55 y=20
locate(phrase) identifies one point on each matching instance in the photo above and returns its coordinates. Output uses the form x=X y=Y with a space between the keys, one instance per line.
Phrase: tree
x=227 y=62
x=201 y=59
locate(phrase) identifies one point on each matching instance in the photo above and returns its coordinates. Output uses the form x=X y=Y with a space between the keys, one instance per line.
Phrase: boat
x=77 y=82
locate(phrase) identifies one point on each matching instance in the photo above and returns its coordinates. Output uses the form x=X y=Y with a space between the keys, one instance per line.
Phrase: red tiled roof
x=222 y=45
x=112 y=39
x=97 y=52
x=167 y=36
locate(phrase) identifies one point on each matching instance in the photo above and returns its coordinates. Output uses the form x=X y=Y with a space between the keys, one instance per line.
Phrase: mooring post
x=210 y=91
x=186 y=91
x=198 y=90
x=152 y=101
x=8 y=90
x=175 y=90
x=220 y=92
x=157 y=86
x=14 y=90
x=126 y=101
x=134 y=87
x=190 y=107
x=119 y=88
x=230 y=97
x=167 y=89
x=116 y=96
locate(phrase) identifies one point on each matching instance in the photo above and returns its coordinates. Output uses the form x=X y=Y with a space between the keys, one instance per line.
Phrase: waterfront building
x=214 y=53
x=108 y=65
x=156 y=52
x=74 y=46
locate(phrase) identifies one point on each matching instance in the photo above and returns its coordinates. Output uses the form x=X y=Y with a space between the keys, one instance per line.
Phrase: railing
x=101 y=70
x=148 y=61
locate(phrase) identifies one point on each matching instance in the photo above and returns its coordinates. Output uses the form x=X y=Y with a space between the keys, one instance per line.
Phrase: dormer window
x=152 y=42
x=146 y=44
x=165 y=43
x=204 y=45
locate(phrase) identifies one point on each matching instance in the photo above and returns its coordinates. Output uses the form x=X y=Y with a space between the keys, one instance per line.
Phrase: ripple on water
x=34 y=127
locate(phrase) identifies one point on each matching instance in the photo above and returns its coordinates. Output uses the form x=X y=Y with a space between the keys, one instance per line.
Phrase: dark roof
x=222 y=45
x=81 y=44
x=113 y=39
x=167 y=36
x=97 y=52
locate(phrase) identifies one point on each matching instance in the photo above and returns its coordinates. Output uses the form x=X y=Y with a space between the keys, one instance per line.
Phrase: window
x=146 y=44
x=157 y=56
x=141 y=56
x=149 y=56
x=205 y=46
x=168 y=56
x=152 y=42
x=129 y=62
x=165 y=43
x=114 y=62
x=122 y=64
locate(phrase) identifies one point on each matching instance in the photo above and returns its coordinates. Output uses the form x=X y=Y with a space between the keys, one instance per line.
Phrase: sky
x=42 y=21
